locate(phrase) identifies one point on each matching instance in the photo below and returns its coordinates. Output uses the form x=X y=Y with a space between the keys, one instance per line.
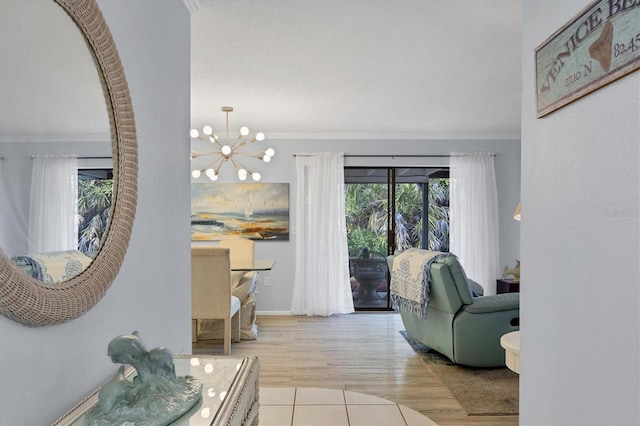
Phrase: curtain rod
x=395 y=155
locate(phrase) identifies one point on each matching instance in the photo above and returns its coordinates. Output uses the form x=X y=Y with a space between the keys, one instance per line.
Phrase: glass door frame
x=392 y=179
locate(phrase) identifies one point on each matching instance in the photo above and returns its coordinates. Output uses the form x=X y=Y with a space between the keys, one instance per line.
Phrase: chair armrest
x=476 y=289
x=496 y=303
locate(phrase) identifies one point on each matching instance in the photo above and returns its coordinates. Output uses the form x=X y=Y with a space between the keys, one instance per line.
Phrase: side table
x=230 y=392
x=507 y=286
x=511 y=344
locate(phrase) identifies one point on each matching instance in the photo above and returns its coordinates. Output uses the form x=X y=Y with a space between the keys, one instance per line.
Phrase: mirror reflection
x=55 y=144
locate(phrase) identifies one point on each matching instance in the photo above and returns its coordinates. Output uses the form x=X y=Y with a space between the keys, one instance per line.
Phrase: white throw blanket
x=410 y=279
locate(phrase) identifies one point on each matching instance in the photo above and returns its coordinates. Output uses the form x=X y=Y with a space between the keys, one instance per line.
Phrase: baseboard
x=265 y=313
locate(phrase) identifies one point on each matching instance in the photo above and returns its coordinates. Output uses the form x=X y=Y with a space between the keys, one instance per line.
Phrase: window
x=95 y=188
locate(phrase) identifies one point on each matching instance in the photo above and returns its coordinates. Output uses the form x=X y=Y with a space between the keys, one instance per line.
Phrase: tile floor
x=332 y=407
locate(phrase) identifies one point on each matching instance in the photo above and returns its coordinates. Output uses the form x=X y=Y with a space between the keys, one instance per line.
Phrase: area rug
x=480 y=391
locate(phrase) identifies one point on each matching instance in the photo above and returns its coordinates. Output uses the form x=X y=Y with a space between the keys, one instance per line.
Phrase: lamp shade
x=517 y=212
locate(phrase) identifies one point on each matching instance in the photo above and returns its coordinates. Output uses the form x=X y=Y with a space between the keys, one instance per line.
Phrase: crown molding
x=192 y=5
x=353 y=136
x=57 y=138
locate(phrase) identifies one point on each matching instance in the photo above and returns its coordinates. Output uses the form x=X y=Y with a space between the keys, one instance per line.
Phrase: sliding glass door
x=391 y=209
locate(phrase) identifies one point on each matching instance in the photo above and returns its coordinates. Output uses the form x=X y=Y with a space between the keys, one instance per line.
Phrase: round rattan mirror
x=32 y=302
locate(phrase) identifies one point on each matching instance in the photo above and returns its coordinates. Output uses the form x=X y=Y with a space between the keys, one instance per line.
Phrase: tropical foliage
x=366 y=211
x=439 y=215
x=367 y=216
x=94 y=207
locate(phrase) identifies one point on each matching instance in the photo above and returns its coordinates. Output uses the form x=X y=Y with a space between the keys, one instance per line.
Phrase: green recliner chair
x=464 y=328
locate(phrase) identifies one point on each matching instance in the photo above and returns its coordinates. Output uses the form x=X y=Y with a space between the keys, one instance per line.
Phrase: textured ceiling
x=354 y=69
x=359 y=68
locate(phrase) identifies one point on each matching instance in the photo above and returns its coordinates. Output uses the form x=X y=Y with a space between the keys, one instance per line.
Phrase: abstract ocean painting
x=258 y=211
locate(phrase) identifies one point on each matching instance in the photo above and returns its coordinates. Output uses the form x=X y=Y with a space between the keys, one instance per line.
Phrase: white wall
x=277 y=297
x=47 y=370
x=579 y=244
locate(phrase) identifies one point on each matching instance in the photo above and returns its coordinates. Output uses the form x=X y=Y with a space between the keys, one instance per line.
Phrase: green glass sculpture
x=155 y=396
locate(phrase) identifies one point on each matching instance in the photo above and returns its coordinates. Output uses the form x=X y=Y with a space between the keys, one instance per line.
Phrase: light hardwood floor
x=361 y=352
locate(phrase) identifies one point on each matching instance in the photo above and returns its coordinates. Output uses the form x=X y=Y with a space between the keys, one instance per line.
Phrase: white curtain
x=474 y=234
x=322 y=284
x=53 y=204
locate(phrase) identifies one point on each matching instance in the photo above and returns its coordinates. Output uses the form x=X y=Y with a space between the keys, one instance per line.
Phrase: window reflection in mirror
x=95 y=189
x=51 y=103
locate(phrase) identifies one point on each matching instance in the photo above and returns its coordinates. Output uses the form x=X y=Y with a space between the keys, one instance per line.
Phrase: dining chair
x=244 y=283
x=211 y=297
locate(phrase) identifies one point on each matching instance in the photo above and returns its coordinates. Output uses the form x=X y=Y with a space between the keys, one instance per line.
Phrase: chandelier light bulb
x=260 y=136
x=242 y=174
x=244 y=130
x=195 y=174
x=270 y=152
x=213 y=177
x=207 y=130
x=194 y=133
x=210 y=173
x=266 y=158
x=255 y=176
x=226 y=150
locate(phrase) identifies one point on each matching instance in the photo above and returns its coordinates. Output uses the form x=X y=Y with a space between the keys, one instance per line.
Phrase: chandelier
x=228 y=151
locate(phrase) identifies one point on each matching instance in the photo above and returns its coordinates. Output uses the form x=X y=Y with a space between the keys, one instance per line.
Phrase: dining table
x=255 y=265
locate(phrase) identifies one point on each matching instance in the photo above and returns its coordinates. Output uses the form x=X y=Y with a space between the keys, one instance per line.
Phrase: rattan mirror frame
x=32 y=302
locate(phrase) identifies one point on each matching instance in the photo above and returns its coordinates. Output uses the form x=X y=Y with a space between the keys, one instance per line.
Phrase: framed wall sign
x=598 y=46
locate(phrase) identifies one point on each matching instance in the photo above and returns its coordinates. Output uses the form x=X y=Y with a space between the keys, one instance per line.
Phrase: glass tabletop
x=256 y=265
x=217 y=374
